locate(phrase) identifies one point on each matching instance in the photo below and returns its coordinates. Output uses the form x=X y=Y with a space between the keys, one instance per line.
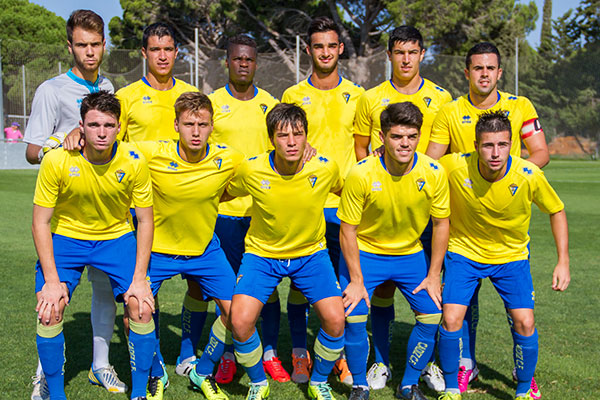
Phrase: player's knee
x=194 y=290
x=242 y=323
x=385 y=290
x=134 y=311
x=452 y=321
x=334 y=322
x=524 y=325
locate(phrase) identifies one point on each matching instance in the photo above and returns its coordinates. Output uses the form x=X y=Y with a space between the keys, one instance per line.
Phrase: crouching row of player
x=81 y=217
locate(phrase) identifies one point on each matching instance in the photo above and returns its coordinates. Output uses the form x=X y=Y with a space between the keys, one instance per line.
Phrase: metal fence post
x=1 y=94
x=517 y=66
x=24 y=97
x=191 y=71
x=59 y=68
x=196 y=56
x=297 y=58
x=143 y=67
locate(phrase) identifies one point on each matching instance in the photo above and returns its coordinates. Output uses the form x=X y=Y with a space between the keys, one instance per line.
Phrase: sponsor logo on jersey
x=134 y=155
x=513 y=189
x=265 y=184
x=220 y=146
x=218 y=161
x=173 y=166
x=439 y=89
x=528 y=171
x=120 y=175
x=263 y=107
x=427 y=101
x=434 y=166
x=73 y=171
x=225 y=108
x=346 y=96
x=385 y=102
x=466 y=119
x=146 y=100
x=376 y=186
x=420 y=183
x=306 y=101
x=323 y=159
x=312 y=179
x=362 y=161
x=512 y=97
x=468 y=183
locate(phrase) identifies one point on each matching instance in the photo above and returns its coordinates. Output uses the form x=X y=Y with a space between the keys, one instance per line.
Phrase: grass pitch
x=568 y=323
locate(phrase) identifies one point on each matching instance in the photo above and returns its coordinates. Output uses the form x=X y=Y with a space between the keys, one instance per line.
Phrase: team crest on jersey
x=427 y=101
x=466 y=119
x=120 y=174
x=225 y=108
x=312 y=179
x=376 y=186
x=420 y=183
x=513 y=189
x=173 y=166
x=218 y=161
x=468 y=183
x=265 y=184
x=73 y=171
x=306 y=101
x=146 y=100
x=346 y=96
x=263 y=107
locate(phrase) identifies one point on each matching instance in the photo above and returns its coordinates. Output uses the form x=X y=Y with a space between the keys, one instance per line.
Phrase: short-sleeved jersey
x=186 y=195
x=148 y=113
x=490 y=220
x=241 y=124
x=392 y=211
x=56 y=104
x=330 y=115
x=429 y=98
x=91 y=202
x=455 y=123
x=287 y=210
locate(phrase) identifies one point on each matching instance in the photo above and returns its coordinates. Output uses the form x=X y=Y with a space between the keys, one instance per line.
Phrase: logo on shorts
x=513 y=189
x=468 y=183
x=120 y=175
x=265 y=184
x=376 y=187
x=263 y=107
x=238 y=278
x=533 y=296
x=312 y=179
x=73 y=171
x=218 y=161
x=338 y=285
x=420 y=183
x=346 y=96
x=427 y=101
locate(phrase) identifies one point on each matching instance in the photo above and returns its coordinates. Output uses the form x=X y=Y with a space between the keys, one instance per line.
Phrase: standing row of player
x=331 y=103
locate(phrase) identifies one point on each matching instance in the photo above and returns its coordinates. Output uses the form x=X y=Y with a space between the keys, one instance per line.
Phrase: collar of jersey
x=148 y=83
x=415 y=157
x=91 y=86
x=311 y=84
x=231 y=94
x=497 y=100
x=272 y=164
x=420 y=86
x=508 y=165
x=204 y=158
x=112 y=154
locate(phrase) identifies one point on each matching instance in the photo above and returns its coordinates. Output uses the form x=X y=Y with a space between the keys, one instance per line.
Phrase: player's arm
x=535 y=142
x=560 y=230
x=140 y=288
x=355 y=291
x=361 y=146
x=53 y=290
x=436 y=150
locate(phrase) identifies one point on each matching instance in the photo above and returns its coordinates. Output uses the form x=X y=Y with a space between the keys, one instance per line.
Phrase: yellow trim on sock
x=221 y=332
x=382 y=302
x=250 y=359
x=194 y=305
x=354 y=319
x=325 y=352
x=432 y=319
x=49 y=332
x=141 y=328
x=274 y=297
x=296 y=297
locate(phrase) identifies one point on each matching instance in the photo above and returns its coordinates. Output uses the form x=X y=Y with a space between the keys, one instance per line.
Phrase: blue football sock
x=157 y=361
x=193 y=316
x=142 y=344
x=219 y=335
x=297 y=308
x=382 y=316
x=271 y=316
x=469 y=333
x=421 y=344
x=51 y=351
x=249 y=354
x=449 y=345
x=327 y=350
x=525 y=353
x=357 y=348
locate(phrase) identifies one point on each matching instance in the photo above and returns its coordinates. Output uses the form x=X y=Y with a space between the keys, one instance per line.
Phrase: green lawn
x=567 y=322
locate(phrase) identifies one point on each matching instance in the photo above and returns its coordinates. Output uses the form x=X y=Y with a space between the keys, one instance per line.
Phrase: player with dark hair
x=491 y=192
x=286 y=238
x=330 y=105
x=406 y=52
x=81 y=217
x=380 y=239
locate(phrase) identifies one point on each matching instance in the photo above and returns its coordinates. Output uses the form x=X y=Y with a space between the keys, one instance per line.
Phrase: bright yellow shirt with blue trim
x=330 y=115
x=186 y=195
x=90 y=201
x=148 y=113
x=455 y=123
x=287 y=210
x=429 y=98
x=241 y=124
x=390 y=211
x=490 y=220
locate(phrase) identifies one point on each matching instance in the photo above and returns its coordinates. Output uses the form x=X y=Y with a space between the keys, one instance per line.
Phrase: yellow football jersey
x=241 y=125
x=455 y=123
x=330 y=115
x=186 y=195
x=91 y=202
x=147 y=113
x=429 y=98
x=287 y=210
x=490 y=220
x=392 y=211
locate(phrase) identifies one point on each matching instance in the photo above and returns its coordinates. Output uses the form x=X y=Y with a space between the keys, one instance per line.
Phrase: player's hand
x=353 y=294
x=433 y=287
x=140 y=289
x=309 y=152
x=379 y=152
x=74 y=140
x=49 y=301
x=561 y=277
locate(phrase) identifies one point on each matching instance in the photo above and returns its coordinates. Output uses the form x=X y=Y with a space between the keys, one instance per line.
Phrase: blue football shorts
x=332 y=236
x=232 y=232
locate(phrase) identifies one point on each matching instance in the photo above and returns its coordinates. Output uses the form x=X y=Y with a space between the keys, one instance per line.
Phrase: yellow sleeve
x=362 y=118
x=440 y=131
x=287 y=97
x=237 y=186
x=48 y=181
x=353 y=199
x=142 y=187
x=122 y=135
x=338 y=181
x=527 y=108
x=544 y=195
x=440 y=206
x=147 y=148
